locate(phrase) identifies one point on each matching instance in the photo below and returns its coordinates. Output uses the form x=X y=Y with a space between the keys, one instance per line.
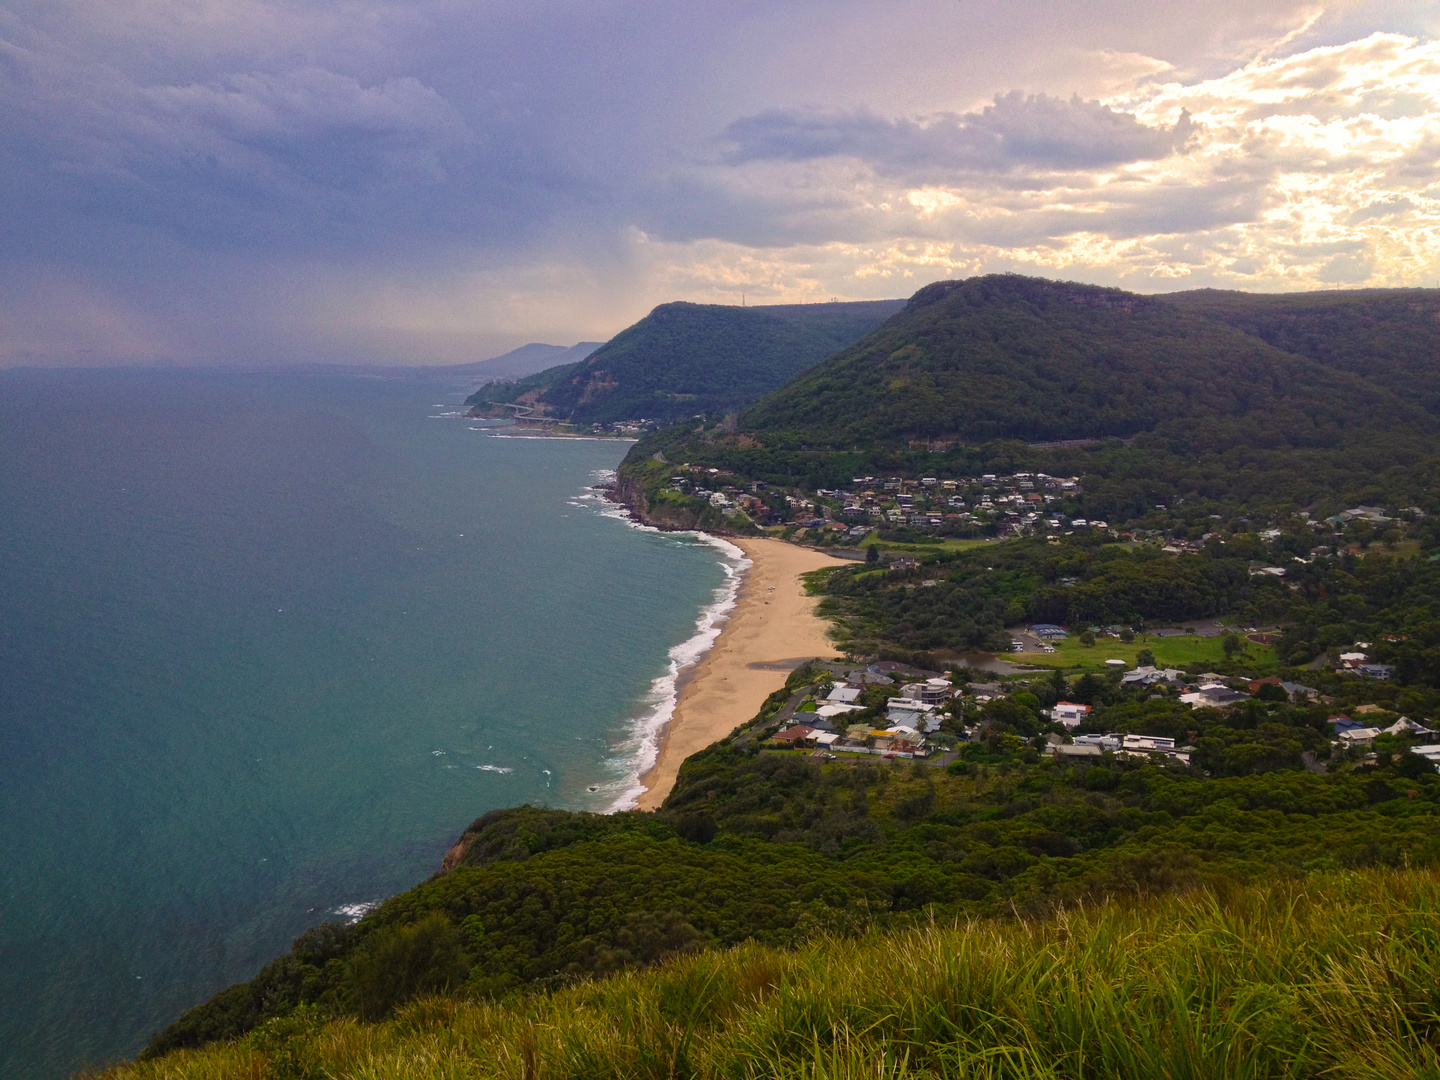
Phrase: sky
x=267 y=182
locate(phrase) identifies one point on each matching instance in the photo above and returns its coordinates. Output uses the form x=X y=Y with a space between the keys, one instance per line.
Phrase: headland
x=773 y=622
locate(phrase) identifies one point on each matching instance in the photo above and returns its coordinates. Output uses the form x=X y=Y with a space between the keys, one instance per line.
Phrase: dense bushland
x=1334 y=975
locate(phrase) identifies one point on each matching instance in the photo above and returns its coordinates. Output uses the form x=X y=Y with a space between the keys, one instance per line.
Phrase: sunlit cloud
x=1309 y=170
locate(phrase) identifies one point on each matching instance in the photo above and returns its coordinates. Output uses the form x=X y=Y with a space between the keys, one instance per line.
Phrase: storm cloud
x=1016 y=131
x=266 y=181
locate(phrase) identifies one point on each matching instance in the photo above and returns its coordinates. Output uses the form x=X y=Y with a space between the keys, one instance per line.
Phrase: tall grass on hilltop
x=1335 y=976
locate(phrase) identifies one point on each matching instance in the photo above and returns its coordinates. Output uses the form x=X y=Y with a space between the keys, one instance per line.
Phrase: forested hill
x=683 y=359
x=1010 y=357
x=1390 y=336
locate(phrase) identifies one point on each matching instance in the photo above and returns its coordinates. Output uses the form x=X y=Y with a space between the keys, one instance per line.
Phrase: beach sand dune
x=773 y=624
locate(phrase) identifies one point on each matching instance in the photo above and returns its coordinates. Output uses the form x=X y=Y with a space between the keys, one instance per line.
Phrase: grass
x=930 y=547
x=1331 y=976
x=1169 y=652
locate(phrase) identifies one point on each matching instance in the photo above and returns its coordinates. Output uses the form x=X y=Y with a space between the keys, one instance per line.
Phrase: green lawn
x=1169 y=652
x=933 y=547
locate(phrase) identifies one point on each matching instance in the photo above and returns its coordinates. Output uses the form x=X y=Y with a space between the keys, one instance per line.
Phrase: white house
x=1361 y=736
x=1148 y=744
x=1069 y=713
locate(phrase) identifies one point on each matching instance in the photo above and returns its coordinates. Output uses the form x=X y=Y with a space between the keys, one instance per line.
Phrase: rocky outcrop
x=456 y=853
x=666 y=515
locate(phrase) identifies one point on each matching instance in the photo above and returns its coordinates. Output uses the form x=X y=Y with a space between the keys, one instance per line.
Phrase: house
x=931 y=691
x=1148 y=744
x=1343 y=723
x=1100 y=742
x=1214 y=696
x=1366 y=710
x=1429 y=753
x=1047 y=631
x=1149 y=676
x=793 y=736
x=1406 y=726
x=1069 y=713
x=1377 y=671
x=841 y=694
x=1076 y=752
x=1145 y=745
x=1364 y=736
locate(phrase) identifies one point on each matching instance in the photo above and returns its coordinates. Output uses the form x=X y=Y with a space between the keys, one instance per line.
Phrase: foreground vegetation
x=753 y=846
x=1336 y=975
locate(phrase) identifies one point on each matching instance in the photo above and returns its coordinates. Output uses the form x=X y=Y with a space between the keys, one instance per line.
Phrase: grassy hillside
x=1332 y=976
x=685 y=359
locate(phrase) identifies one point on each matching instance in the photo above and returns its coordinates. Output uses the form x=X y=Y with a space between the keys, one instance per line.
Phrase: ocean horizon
x=268 y=643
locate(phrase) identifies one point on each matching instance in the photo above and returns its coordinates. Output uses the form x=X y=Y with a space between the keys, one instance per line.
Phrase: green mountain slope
x=1149 y=399
x=685 y=359
x=1007 y=357
x=1389 y=336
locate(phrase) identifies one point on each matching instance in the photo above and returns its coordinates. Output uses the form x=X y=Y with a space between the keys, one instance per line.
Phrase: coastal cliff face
x=665 y=514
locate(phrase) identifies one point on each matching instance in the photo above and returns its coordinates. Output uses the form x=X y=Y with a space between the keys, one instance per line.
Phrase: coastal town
x=895 y=711
x=986 y=505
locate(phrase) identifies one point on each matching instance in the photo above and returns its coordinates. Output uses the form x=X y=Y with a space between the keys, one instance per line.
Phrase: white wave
x=640 y=749
x=637 y=753
x=494 y=768
x=355 y=912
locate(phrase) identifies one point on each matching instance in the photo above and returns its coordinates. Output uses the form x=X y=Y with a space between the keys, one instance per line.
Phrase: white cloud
x=1313 y=169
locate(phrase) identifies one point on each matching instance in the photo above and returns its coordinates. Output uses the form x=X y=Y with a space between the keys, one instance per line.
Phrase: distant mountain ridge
x=528 y=359
x=686 y=359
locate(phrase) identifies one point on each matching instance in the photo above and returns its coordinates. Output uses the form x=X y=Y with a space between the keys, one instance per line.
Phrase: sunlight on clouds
x=1315 y=169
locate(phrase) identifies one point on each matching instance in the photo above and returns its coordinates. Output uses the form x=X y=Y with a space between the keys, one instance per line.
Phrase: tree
x=1232 y=643
x=1145 y=658
x=1087 y=639
x=1127 y=635
x=872 y=554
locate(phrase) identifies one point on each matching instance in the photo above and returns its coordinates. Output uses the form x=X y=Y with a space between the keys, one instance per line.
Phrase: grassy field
x=934 y=547
x=1329 y=976
x=1169 y=652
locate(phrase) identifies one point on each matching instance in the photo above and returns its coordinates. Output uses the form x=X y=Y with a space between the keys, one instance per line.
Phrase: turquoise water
x=267 y=644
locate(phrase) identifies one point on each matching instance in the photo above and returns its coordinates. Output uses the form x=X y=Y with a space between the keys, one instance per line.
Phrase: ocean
x=268 y=643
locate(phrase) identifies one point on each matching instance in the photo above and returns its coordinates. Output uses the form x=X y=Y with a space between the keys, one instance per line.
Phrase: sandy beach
x=773 y=621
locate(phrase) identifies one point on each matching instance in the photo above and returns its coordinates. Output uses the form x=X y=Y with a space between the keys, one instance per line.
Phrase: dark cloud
x=1017 y=131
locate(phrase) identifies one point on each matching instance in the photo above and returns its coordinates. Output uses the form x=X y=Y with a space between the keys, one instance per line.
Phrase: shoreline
x=773 y=621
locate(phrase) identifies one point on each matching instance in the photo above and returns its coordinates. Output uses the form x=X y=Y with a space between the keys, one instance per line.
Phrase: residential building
x=1069 y=713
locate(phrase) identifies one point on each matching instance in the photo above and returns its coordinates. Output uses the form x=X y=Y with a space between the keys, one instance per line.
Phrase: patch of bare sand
x=773 y=621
